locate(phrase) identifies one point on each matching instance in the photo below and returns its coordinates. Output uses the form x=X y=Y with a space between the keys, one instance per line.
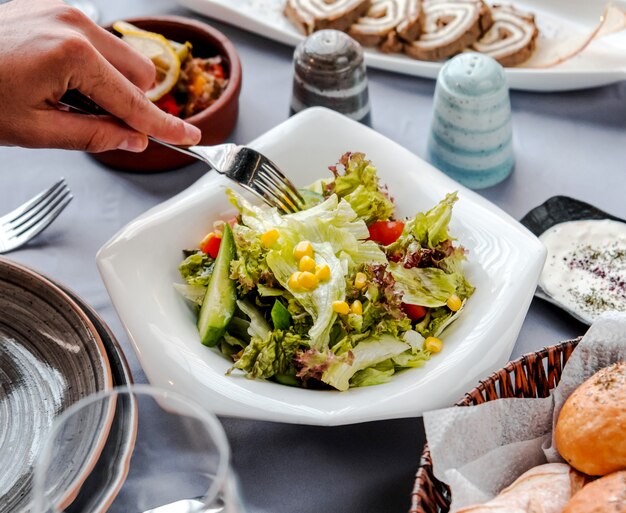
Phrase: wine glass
x=135 y=449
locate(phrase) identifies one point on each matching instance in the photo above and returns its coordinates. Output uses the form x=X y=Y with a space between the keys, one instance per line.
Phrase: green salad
x=341 y=294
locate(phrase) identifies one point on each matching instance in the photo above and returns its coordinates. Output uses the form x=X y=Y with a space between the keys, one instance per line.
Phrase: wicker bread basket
x=532 y=375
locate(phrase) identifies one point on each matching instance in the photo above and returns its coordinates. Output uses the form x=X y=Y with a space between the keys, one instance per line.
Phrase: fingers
x=134 y=66
x=97 y=78
x=59 y=129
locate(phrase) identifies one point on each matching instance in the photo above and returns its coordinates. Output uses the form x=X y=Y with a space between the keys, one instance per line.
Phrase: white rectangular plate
x=139 y=266
x=603 y=62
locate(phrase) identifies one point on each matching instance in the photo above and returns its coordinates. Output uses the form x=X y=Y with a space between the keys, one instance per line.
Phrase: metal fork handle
x=187 y=151
x=77 y=101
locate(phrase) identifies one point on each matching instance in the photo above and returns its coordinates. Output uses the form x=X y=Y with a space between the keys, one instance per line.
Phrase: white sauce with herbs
x=585 y=270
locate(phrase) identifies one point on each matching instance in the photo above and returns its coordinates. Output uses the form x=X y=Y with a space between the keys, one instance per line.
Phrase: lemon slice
x=182 y=49
x=158 y=49
x=123 y=27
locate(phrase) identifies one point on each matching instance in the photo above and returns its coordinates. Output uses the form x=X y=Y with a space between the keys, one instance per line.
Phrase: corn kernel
x=306 y=264
x=303 y=248
x=454 y=303
x=341 y=307
x=307 y=280
x=270 y=237
x=322 y=272
x=360 y=280
x=433 y=344
x=357 y=307
x=293 y=281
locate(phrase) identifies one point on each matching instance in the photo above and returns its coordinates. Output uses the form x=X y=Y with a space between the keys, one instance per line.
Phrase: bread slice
x=606 y=495
x=449 y=26
x=511 y=38
x=312 y=15
x=384 y=17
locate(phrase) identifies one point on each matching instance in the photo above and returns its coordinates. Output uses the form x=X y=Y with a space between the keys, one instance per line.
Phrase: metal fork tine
x=43 y=223
x=269 y=196
x=268 y=185
x=270 y=200
x=276 y=190
x=23 y=209
x=37 y=211
x=286 y=191
x=273 y=171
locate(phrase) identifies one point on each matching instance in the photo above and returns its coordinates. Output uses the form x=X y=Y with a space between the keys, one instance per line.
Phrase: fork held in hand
x=28 y=220
x=252 y=170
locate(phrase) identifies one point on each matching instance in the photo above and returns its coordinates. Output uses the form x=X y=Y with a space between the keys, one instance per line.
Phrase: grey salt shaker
x=329 y=71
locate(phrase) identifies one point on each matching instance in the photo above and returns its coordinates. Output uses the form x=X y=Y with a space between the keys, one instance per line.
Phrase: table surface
x=566 y=143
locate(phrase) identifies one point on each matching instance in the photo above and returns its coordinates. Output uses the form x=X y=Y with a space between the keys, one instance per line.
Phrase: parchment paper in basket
x=478 y=450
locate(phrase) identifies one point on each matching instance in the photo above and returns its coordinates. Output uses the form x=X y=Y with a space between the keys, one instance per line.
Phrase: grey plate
x=112 y=466
x=50 y=357
x=557 y=210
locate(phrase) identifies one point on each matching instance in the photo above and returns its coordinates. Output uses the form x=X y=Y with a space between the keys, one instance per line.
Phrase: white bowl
x=139 y=267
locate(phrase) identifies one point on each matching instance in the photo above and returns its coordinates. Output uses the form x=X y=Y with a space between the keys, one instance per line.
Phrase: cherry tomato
x=211 y=246
x=167 y=103
x=217 y=70
x=414 y=312
x=386 y=232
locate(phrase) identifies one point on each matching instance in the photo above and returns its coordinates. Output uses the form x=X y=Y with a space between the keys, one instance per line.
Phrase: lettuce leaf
x=318 y=302
x=359 y=186
x=196 y=269
x=429 y=286
x=193 y=293
x=338 y=239
x=431 y=228
x=338 y=370
x=250 y=268
x=376 y=375
x=275 y=354
x=259 y=327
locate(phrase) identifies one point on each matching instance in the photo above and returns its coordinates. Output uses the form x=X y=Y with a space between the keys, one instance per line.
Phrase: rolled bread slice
x=545 y=488
x=448 y=27
x=312 y=15
x=388 y=20
x=511 y=38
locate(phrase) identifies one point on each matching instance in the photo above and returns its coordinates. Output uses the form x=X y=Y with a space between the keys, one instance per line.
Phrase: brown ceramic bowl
x=216 y=121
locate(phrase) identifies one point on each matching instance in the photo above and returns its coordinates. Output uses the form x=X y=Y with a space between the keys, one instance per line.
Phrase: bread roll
x=542 y=489
x=591 y=428
x=606 y=495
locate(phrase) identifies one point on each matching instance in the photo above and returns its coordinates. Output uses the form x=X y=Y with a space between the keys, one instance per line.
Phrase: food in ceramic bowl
x=341 y=294
x=139 y=266
x=198 y=79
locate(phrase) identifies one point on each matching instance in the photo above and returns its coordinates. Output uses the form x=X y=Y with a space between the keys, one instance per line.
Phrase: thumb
x=70 y=131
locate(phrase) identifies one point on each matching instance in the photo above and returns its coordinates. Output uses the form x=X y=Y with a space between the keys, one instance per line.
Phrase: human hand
x=47 y=48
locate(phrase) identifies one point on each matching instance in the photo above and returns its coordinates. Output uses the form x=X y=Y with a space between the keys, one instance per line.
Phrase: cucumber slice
x=218 y=305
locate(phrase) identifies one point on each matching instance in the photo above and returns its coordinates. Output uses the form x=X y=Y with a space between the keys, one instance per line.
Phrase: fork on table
x=252 y=170
x=28 y=220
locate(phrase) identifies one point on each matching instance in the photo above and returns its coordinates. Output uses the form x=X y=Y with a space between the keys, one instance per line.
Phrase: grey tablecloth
x=570 y=143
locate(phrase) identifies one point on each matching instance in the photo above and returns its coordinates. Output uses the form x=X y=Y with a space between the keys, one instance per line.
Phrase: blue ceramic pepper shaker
x=471 y=134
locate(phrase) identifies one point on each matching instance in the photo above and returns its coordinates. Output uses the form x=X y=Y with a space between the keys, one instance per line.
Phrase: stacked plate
x=54 y=350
